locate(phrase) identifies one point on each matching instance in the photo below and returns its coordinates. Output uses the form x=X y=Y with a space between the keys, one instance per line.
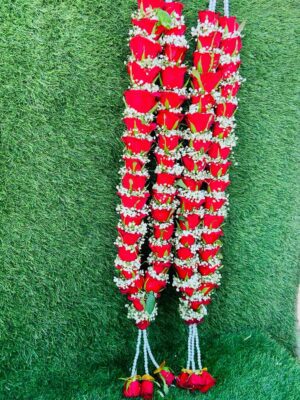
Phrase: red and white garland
x=190 y=177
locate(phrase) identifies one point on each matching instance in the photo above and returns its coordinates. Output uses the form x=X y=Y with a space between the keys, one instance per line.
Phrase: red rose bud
x=137 y=304
x=168 y=119
x=162 y=215
x=138 y=74
x=213 y=221
x=207 y=287
x=126 y=274
x=216 y=151
x=195 y=381
x=208 y=81
x=161 y=266
x=173 y=77
x=226 y=109
x=210 y=238
x=147 y=389
x=204 y=101
x=175 y=53
x=150 y=26
x=184 y=253
x=141 y=100
x=188 y=291
x=129 y=238
x=206 y=62
x=135 y=124
x=134 y=182
x=137 y=202
x=228 y=69
x=178 y=30
x=210 y=41
x=135 y=287
x=232 y=45
x=143 y=325
x=142 y=47
x=153 y=284
x=217 y=185
x=207 y=382
x=167 y=376
x=133 y=164
x=200 y=145
x=132 y=388
x=163 y=198
x=207 y=254
x=165 y=160
x=205 y=270
x=182 y=380
x=189 y=205
x=220 y=132
x=209 y=16
x=195 y=305
x=137 y=145
x=184 y=273
x=127 y=255
x=219 y=169
x=230 y=90
x=192 y=165
x=161 y=251
x=229 y=23
x=165 y=178
x=168 y=143
x=163 y=233
x=171 y=99
x=191 y=221
x=174 y=7
x=199 y=122
x=187 y=240
x=192 y=184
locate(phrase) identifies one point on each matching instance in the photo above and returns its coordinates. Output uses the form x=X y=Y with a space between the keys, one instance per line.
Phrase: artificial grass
x=62 y=321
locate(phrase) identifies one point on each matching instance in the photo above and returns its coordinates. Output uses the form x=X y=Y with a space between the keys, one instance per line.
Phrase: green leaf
x=164 y=18
x=150 y=303
x=181 y=184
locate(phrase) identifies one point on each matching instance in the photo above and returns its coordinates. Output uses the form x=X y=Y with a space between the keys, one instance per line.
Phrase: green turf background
x=63 y=331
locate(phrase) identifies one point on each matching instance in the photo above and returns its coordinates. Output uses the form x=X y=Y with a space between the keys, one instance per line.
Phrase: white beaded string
x=198 y=347
x=154 y=362
x=212 y=5
x=146 y=366
x=189 y=352
x=193 y=348
x=226 y=8
x=137 y=353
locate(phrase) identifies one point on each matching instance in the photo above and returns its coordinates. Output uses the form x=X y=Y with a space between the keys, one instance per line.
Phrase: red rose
x=195 y=304
x=142 y=47
x=182 y=380
x=210 y=41
x=207 y=287
x=137 y=145
x=217 y=185
x=137 y=304
x=178 y=30
x=217 y=151
x=150 y=26
x=162 y=215
x=220 y=132
x=230 y=90
x=192 y=165
x=175 y=53
x=127 y=255
x=135 y=124
x=183 y=272
x=173 y=77
x=207 y=254
x=171 y=99
x=184 y=253
x=188 y=291
x=174 y=6
x=206 y=62
x=165 y=160
x=210 y=238
x=209 y=16
x=226 y=109
x=133 y=164
x=163 y=233
x=204 y=101
x=167 y=376
x=190 y=222
x=205 y=270
x=134 y=182
x=228 y=69
x=189 y=205
x=187 y=240
x=168 y=143
x=132 y=388
x=137 y=202
x=168 y=119
x=129 y=238
x=126 y=274
x=208 y=382
x=139 y=74
x=161 y=251
x=163 y=198
x=231 y=45
x=147 y=390
x=153 y=284
x=141 y=100
x=165 y=178
x=161 y=266
x=199 y=122
x=200 y=145
x=219 y=169
x=230 y=23
x=213 y=221
x=208 y=81
x=143 y=325
x=192 y=184
x=195 y=381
